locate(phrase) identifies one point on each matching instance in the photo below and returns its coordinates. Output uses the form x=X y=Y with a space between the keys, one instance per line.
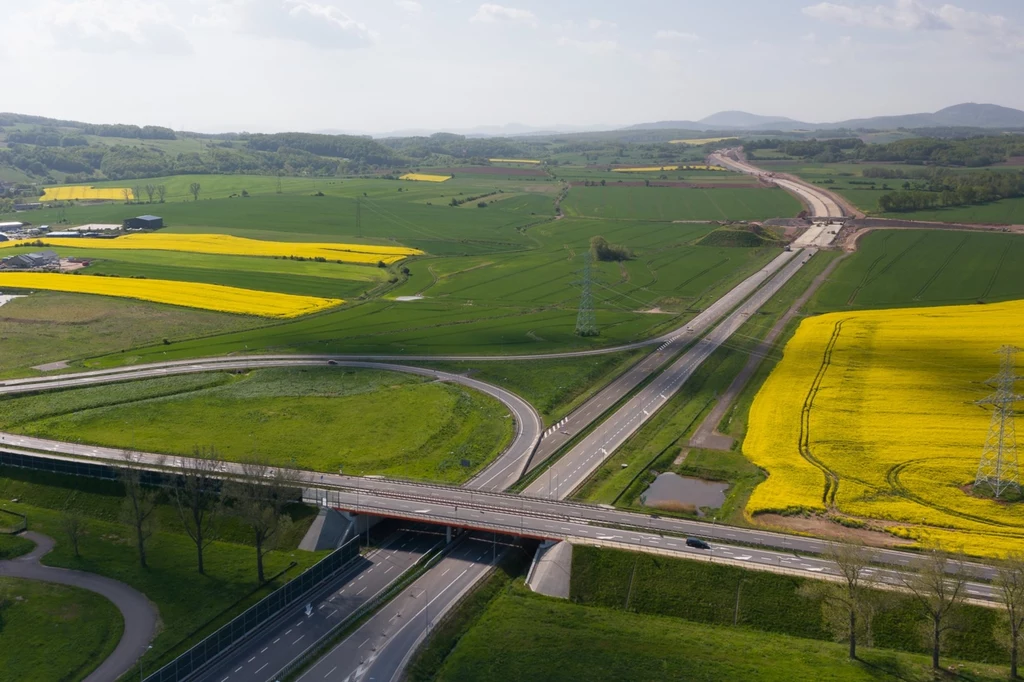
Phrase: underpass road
x=265 y=655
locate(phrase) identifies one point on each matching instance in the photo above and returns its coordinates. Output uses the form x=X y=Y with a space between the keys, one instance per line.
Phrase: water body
x=669 y=488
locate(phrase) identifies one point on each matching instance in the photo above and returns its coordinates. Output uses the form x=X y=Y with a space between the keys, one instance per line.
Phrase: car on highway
x=697 y=543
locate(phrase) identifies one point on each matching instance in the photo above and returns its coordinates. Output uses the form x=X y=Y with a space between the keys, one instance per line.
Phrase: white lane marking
x=330 y=671
x=295 y=642
x=262 y=667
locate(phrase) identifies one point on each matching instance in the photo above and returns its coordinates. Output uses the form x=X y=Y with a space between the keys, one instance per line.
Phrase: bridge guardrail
x=239 y=628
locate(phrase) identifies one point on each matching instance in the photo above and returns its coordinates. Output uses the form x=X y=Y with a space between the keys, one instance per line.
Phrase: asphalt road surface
x=267 y=654
x=140 y=616
x=820 y=203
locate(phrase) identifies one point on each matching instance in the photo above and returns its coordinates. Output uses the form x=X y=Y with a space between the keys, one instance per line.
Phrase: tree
x=849 y=605
x=259 y=500
x=161 y=191
x=150 y=190
x=72 y=523
x=195 y=188
x=197 y=496
x=603 y=251
x=137 y=192
x=1009 y=584
x=938 y=587
x=139 y=507
x=127 y=195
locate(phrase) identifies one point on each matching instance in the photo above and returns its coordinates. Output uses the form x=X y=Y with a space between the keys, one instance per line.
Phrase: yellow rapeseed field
x=228 y=245
x=533 y=161
x=80 y=192
x=425 y=177
x=872 y=414
x=188 y=294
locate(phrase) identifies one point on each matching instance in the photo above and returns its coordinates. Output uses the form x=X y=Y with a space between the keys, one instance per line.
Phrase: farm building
x=64 y=234
x=4 y=237
x=26 y=261
x=4 y=227
x=144 y=222
x=96 y=227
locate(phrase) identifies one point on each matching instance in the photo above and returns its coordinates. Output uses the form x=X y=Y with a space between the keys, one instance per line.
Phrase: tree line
x=203 y=499
x=936 y=584
x=973 y=152
x=942 y=188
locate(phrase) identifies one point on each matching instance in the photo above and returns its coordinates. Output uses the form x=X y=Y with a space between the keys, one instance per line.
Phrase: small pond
x=672 y=490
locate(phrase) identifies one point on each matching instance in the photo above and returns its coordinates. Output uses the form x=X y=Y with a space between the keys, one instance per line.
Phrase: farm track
x=892 y=477
x=995 y=273
x=935 y=275
x=828 y=497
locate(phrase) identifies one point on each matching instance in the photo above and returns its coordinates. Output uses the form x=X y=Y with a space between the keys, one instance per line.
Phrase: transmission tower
x=585 y=323
x=998 y=467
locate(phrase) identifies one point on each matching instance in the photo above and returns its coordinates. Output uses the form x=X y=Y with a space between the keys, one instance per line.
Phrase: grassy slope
x=897 y=268
x=54 y=632
x=526 y=637
x=706 y=593
x=12 y=546
x=363 y=421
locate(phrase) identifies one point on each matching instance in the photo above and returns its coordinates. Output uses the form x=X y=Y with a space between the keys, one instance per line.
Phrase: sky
x=373 y=66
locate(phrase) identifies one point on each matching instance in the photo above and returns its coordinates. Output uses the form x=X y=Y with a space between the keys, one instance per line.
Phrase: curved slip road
x=140 y=616
x=500 y=473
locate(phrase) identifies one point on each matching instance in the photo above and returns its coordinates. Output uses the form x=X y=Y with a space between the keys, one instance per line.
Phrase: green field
x=523 y=302
x=54 y=632
x=322 y=419
x=13 y=546
x=51 y=326
x=895 y=268
x=674 y=203
x=524 y=637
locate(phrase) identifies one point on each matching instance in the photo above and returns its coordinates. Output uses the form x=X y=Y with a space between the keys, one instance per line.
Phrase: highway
x=820 y=204
x=277 y=646
x=572 y=425
x=573 y=468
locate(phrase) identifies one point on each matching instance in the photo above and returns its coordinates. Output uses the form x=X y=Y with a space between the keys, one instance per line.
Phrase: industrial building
x=144 y=222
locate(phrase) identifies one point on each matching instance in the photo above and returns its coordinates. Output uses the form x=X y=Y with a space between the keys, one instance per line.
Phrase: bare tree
x=848 y=606
x=195 y=188
x=127 y=195
x=72 y=523
x=938 y=587
x=197 y=496
x=150 y=191
x=161 y=191
x=259 y=500
x=1009 y=583
x=139 y=506
x=137 y=192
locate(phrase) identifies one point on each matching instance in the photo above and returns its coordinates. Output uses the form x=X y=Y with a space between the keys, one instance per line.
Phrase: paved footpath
x=140 y=616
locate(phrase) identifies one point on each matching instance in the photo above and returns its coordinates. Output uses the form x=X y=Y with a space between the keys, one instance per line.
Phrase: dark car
x=697 y=543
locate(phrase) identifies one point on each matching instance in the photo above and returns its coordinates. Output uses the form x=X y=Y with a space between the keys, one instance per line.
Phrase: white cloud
x=593 y=47
x=676 y=35
x=992 y=30
x=108 y=27
x=409 y=6
x=599 y=24
x=490 y=13
x=301 y=20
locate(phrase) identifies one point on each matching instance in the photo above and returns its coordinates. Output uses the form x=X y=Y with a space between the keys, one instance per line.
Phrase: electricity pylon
x=585 y=323
x=998 y=467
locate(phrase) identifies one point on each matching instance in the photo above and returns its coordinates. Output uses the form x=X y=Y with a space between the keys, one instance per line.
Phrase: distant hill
x=970 y=115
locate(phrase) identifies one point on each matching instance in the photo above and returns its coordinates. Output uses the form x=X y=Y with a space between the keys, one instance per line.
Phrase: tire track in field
x=940 y=269
x=867 y=273
x=995 y=273
x=828 y=497
x=870 y=278
x=892 y=477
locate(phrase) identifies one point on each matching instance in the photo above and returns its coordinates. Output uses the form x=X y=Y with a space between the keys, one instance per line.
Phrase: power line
x=998 y=467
